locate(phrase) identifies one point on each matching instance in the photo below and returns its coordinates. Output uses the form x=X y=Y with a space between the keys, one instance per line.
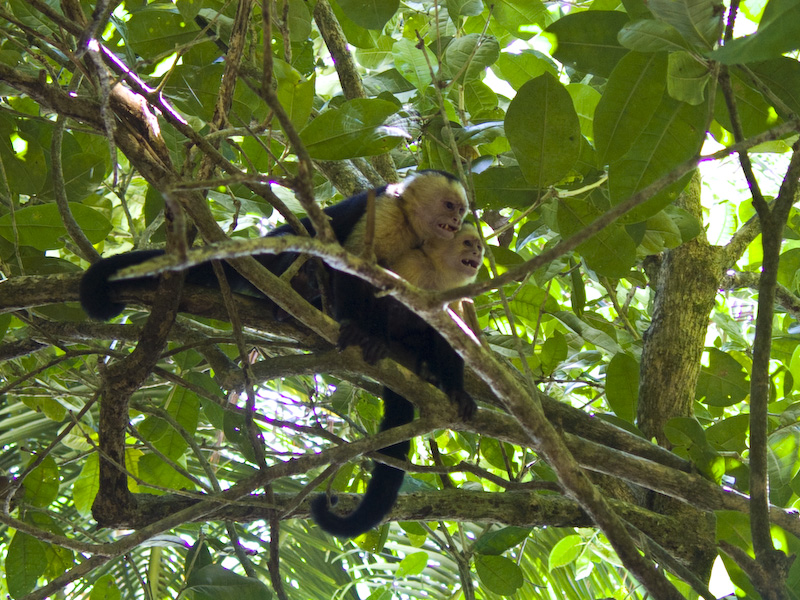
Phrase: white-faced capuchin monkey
x=426 y=205
x=437 y=265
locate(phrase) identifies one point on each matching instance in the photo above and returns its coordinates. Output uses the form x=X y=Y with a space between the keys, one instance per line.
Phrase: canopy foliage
x=633 y=166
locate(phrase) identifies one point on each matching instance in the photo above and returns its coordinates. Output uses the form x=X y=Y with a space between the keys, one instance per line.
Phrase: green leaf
x=299 y=20
x=631 y=97
x=585 y=99
x=497 y=541
x=369 y=14
x=553 y=353
x=723 y=382
x=610 y=252
x=673 y=135
x=776 y=35
x=783 y=462
x=354 y=129
x=591 y=334
x=105 y=588
x=217 y=583
x=295 y=93
x=546 y=141
x=498 y=574
x=588 y=42
x=755 y=114
x=685 y=431
x=648 y=35
x=622 y=386
x=356 y=35
x=513 y=14
x=466 y=8
x=41 y=226
x=688 y=225
x=467 y=57
x=41 y=485
x=730 y=434
x=25 y=563
x=518 y=69
x=782 y=76
x=662 y=233
x=566 y=551
x=698 y=21
x=378 y=55
x=87 y=485
x=479 y=98
x=687 y=78
x=529 y=301
x=157 y=30
x=410 y=61
x=502 y=187
x=413 y=564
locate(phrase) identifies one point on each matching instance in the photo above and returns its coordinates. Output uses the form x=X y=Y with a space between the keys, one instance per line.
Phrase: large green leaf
x=295 y=93
x=498 y=574
x=777 y=34
x=369 y=14
x=649 y=35
x=213 y=582
x=723 y=382
x=673 y=135
x=687 y=78
x=25 y=563
x=698 y=21
x=783 y=461
x=354 y=129
x=513 y=14
x=632 y=95
x=565 y=551
x=543 y=130
x=42 y=484
x=410 y=61
x=501 y=187
x=498 y=541
x=468 y=57
x=782 y=76
x=755 y=114
x=299 y=20
x=610 y=252
x=41 y=226
x=622 y=386
x=588 y=40
x=518 y=69
x=158 y=29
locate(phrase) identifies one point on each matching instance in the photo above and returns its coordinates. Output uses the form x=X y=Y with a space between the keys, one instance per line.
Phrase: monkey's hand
x=466 y=405
x=373 y=349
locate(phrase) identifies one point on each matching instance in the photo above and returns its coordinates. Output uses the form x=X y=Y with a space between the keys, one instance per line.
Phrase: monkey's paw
x=372 y=348
x=466 y=405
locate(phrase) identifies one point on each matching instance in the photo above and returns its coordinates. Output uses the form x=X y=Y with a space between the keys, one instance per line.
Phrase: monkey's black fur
x=383 y=486
x=377 y=325
x=96 y=289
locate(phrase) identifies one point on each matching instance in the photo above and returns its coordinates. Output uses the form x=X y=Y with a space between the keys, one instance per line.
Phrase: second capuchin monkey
x=427 y=205
x=437 y=265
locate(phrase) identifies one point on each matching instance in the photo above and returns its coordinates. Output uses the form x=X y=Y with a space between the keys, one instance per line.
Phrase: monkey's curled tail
x=382 y=488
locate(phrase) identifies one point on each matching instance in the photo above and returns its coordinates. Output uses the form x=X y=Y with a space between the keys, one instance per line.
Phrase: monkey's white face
x=469 y=255
x=437 y=205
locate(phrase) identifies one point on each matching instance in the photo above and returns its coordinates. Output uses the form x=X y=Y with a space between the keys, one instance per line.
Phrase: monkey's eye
x=449 y=205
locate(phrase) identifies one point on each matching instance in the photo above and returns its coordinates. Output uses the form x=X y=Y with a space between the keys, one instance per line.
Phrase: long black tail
x=96 y=288
x=384 y=485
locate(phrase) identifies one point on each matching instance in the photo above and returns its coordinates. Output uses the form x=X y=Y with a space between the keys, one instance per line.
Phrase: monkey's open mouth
x=446 y=227
x=470 y=263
